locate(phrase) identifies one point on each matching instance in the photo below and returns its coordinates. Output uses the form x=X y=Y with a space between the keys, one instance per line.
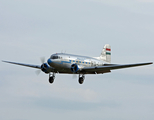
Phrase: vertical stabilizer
x=106 y=54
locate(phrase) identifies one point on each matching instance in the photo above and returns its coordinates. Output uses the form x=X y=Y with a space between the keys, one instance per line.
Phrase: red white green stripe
x=108 y=51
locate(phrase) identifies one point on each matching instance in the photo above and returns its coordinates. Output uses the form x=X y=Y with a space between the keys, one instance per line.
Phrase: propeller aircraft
x=81 y=65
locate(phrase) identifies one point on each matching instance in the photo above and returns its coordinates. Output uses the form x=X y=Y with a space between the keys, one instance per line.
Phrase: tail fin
x=106 y=54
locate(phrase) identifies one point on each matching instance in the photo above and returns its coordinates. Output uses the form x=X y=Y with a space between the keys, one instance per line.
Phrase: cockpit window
x=55 y=57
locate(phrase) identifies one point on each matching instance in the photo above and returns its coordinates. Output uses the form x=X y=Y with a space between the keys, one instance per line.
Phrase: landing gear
x=51 y=77
x=81 y=79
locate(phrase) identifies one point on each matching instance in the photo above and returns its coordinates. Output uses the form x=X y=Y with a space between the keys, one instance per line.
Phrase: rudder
x=106 y=53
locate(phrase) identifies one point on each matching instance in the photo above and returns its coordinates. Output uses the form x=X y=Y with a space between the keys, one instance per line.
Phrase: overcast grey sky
x=30 y=29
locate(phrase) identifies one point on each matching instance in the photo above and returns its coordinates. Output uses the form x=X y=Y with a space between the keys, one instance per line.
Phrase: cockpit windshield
x=55 y=57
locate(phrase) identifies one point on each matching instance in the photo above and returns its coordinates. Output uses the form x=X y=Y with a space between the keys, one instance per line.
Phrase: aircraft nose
x=49 y=61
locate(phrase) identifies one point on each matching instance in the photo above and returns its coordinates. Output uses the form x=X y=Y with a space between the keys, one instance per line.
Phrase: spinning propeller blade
x=38 y=72
x=42 y=60
x=74 y=76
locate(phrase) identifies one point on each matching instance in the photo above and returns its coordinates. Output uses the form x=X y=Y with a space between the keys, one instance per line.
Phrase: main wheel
x=81 y=80
x=51 y=79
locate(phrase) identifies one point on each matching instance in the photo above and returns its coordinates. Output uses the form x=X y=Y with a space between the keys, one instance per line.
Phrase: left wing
x=108 y=67
x=22 y=64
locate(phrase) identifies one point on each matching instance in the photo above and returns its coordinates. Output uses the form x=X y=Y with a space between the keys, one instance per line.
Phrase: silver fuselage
x=62 y=62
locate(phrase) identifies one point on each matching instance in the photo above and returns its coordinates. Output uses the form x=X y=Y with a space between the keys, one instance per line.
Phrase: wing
x=22 y=64
x=107 y=67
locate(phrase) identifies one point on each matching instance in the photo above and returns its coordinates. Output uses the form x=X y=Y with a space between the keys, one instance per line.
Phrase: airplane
x=81 y=65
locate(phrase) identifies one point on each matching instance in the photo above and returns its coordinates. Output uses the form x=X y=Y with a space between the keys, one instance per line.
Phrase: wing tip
x=5 y=61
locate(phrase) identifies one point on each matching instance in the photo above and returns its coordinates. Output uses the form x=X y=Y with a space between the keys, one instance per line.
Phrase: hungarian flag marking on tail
x=108 y=51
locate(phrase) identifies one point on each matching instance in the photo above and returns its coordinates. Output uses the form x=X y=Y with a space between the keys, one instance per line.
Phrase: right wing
x=22 y=64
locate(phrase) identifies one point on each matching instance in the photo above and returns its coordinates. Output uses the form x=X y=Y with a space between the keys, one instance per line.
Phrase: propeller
x=74 y=69
x=38 y=72
x=74 y=76
x=42 y=59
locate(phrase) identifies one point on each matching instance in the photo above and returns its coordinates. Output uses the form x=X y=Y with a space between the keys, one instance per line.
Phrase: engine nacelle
x=74 y=68
x=45 y=68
